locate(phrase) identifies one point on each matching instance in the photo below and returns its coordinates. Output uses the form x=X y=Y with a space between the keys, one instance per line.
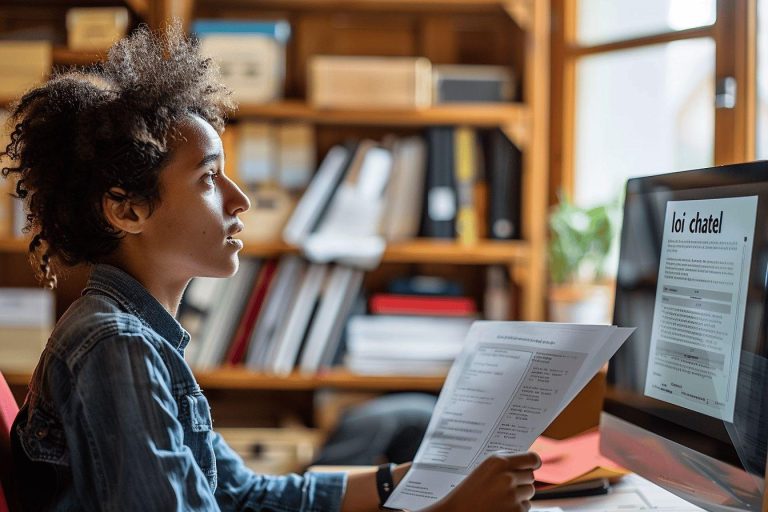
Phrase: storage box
x=370 y=82
x=464 y=83
x=95 y=28
x=26 y=322
x=23 y=64
x=250 y=54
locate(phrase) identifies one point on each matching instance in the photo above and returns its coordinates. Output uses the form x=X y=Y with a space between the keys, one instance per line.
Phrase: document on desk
x=507 y=385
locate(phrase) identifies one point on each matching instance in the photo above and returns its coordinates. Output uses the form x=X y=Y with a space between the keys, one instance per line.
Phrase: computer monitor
x=687 y=397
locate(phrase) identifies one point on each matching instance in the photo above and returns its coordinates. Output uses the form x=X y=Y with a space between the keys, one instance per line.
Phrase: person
x=121 y=167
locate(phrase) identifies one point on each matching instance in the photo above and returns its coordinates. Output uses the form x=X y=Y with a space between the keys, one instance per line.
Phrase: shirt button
x=41 y=433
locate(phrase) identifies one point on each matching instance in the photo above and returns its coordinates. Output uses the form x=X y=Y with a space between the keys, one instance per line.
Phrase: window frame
x=735 y=36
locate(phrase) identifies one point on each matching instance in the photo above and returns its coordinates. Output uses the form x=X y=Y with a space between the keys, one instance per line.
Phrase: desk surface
x=631 y=493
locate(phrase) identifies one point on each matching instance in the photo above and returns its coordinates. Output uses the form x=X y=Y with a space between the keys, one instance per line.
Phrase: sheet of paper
x=701 y=295
x=507 y=385
x=631 y=493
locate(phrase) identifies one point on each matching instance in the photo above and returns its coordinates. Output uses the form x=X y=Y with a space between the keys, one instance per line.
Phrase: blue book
x=280 y=30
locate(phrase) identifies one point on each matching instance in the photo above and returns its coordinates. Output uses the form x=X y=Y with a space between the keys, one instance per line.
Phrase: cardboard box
x=370 y=82
x=95 y=28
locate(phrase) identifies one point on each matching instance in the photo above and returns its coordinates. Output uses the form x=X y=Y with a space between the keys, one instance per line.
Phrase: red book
x=390 y=304
x=248 y=321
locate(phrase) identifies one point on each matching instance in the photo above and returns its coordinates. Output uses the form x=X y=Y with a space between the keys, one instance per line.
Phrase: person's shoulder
x=93 y=320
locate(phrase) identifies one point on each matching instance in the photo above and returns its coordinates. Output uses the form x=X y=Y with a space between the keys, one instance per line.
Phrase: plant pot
x=581 y=303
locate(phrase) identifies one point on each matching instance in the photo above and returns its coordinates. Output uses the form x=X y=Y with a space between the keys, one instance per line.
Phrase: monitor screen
x=686 y=399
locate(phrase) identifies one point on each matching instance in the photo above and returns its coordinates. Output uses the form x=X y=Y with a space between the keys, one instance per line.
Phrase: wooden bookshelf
x=240 y=378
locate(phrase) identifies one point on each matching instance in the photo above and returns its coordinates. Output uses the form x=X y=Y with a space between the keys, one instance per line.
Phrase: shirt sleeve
x=239 y=488
x=127 y=446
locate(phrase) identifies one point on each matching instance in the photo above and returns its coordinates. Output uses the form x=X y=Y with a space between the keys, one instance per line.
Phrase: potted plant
x=580 y=244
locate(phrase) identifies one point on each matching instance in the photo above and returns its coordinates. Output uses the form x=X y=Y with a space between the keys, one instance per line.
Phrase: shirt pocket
x=42 y=438
x=198 y=433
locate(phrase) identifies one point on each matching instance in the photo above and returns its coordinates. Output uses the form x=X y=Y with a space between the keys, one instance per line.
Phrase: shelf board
x=63 y=56
x=479 y=115
x=419 y=250
x=423 y=250
x=14 y=245
x=372 y=5
x=239 y=378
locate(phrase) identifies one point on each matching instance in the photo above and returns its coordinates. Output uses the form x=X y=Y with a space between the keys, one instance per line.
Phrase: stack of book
x=408 y=334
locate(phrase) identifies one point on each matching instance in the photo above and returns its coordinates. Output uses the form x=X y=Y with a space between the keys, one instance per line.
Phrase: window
x=635 y=86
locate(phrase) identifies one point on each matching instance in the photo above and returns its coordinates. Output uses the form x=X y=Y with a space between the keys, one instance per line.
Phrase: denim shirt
x=114 y=420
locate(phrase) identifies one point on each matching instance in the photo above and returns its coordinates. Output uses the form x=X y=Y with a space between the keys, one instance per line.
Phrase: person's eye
x=210 y=177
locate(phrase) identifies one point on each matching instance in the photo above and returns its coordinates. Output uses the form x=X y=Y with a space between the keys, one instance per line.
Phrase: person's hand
x=499 y=484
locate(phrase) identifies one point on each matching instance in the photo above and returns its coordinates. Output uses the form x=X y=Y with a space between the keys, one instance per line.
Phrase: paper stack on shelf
x=404 y=345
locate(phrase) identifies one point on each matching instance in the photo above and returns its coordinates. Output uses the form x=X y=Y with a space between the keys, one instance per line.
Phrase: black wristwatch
x=384 y=483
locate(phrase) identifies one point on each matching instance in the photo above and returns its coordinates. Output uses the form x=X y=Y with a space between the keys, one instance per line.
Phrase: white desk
x=631 y=493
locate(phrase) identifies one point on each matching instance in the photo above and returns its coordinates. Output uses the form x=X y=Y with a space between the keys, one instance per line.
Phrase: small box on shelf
x=92 y=29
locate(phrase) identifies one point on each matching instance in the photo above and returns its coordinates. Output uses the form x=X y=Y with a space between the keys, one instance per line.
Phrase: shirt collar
x=134 y=298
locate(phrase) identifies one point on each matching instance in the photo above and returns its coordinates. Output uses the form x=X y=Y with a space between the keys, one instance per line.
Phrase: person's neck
x=160 y=284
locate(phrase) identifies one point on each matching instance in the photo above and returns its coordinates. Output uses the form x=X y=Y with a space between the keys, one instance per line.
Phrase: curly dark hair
x=84 y=132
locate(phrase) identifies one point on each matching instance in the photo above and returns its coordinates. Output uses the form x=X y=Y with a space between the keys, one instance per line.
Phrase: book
x=504 y=174
x=352 y=82
x=404 y=196
x=244 y=330
x=295 y=155
x=288 y=344
x=439 y=216
x=222 y=323
x=324 y=335
x=465 y=172
x=197 y=303
x=391 y=304
x=425 y=285
x=313 y=202
x=278 y=298
x=256 y=153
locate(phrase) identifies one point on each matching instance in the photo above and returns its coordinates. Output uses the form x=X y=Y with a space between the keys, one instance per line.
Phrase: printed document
x=507 y=385
x=701 y=296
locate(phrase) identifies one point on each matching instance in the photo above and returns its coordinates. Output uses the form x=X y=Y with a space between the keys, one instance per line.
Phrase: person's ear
x=122 y=213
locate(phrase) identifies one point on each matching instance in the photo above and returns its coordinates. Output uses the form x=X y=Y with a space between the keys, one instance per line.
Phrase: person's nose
x=237 y=202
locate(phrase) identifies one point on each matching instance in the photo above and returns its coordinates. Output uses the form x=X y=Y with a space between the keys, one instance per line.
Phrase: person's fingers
x=524 y=492
x=529 y=460
x=523 y=477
